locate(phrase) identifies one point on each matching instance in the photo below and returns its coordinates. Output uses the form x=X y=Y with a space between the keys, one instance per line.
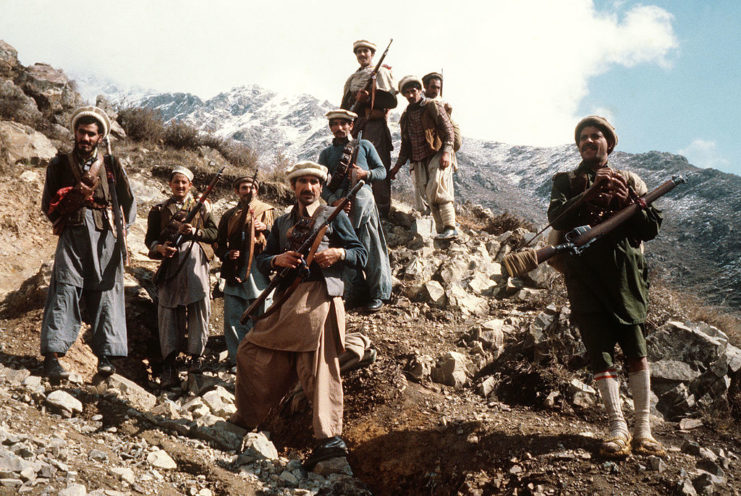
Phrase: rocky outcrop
x=9 y=65
x=23 y=144
x=53 y=92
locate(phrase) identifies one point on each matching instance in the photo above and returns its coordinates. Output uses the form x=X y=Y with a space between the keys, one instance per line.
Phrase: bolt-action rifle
x=307 y=250
x=230 y=268
x=118 y=217
x=171 y=235
x=344 y=168
x=370 y=87
x=580 y=238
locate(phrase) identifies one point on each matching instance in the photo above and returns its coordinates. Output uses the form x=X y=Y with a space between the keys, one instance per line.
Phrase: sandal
x=616 y=447
x=648 y=446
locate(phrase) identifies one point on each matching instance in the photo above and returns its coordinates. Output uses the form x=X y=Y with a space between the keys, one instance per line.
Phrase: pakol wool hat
x=245 y=179
x=96 y=113
x=363 y=44
x=600 y=123
x=179 y=169
x=433 y=75
x=407 y=80
x=341 y=114
x=307 y=168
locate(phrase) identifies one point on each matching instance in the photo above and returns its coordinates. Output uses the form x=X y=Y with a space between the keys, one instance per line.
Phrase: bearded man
x=242 y=236
x=373 y=288
x=608 y=283
x=303 y=338
x=373 y=122
x=427 y=137
x=183 y=291
x=87 y=278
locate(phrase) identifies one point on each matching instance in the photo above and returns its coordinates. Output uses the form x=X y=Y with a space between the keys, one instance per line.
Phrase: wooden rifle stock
x=371 y=85
x=286 y=272
x=118 y=218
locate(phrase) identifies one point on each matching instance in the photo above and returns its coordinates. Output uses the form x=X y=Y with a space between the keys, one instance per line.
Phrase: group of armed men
x=300 y=336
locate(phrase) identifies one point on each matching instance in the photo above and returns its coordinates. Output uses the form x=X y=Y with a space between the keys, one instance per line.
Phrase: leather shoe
x=53 y=369
x=105 y=367
x=374 y=306
x=333 y=447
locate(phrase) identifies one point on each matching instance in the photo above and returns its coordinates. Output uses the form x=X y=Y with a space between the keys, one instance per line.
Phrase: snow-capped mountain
x=700 y=242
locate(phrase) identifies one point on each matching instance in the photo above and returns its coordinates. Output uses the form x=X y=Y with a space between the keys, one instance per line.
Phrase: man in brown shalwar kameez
x=303 y=338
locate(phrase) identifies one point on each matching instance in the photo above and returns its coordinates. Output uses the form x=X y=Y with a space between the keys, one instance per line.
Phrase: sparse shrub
x=238 y=154
x=142 y=124
x=181 y=135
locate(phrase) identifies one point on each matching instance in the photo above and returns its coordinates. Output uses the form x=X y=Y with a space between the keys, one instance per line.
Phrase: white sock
x=447 y=214
x=609 y=388
x=435 y=211
x=640 y=386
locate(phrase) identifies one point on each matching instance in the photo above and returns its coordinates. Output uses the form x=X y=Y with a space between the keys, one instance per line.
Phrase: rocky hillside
x=699 y=248
x=479 y=386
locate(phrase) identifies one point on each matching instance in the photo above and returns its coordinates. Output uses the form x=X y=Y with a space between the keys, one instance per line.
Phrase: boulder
x=220 y=401
x=424 y=227
x=16 y=105
x=481 y=284
x=52 y=90
x=64 y=401
x=434 y=293
x=467 y=303
x=9 y=65
x=685 y=343
x=672 y=370
x=451 y=370
x=129 y=391
x=257 y=446
x=160 y=459
x=23 y=144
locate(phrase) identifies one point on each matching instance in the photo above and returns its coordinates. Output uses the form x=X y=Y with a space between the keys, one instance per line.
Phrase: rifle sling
x=298 y=280
x=251 y=242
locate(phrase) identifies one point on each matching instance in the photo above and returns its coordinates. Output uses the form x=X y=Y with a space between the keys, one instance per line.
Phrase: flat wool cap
x=96 y=113
x=433 y=75
x=245 y=179
x=341 y=114
x=407 y=80
x=363 y=44
x=307 y=168
x=601 y=123
x=179 y=169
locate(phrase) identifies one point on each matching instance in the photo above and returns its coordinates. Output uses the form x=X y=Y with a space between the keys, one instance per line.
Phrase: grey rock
x=424 y=227
x=337 y=465
x=706 y=483
x=687 y=424
x=487 y=386
x=10 y=482
x=129 y=391
x=673 y=370
x=10 y=464
x=96 y=454
x=288 y=478
x=467 y=303
x=711 y=467
x=16 y=376
x=420 y=367
x=685 y=487
x=226 y=435
x=125 y=474
x=64 y=401
x=656 y=464
x=451 y=370
x=73 y=490
x=198 y=384
x=23 y=144
x=434 y=293
x=684 y=343
x=256 y=446
x=220 y=401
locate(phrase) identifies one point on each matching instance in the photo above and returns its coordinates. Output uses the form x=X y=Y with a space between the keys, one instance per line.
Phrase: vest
x=169 y=208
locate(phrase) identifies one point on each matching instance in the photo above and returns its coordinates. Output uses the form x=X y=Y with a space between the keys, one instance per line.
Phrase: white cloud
x=515 y=71
x=704 y=153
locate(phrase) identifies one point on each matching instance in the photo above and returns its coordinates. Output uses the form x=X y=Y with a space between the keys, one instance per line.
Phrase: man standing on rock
x=87 y=278
x=608 y=282
x=427 y=137
x=183 y=290
x=242 y=237
x=373 y=289
x=373 y=122
x=304 y=336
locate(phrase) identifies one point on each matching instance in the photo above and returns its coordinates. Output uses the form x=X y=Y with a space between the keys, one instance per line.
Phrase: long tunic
x=363 y=215
x=87 y=266
x=611 y=275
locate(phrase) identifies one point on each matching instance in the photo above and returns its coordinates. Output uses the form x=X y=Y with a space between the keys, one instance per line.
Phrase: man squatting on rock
x=88 y=263
x=375 y=287
x=427 y=136
x=608 y=283
x=183 y=294
x=242 y=236
x=374 y=124
x=303 y=338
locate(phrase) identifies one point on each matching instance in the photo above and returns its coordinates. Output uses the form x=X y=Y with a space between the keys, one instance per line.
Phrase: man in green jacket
x=608 y=283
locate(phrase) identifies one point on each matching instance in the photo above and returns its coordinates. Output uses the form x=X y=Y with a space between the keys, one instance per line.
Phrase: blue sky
x=666 y=73
x=691 y=107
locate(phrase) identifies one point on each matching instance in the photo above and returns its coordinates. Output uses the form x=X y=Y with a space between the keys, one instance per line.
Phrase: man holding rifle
x=183 y=296
x=349 y=161
x=608 y=282
x=303 y=337
x=372 y=106
x=242 y=237
x=88 y=262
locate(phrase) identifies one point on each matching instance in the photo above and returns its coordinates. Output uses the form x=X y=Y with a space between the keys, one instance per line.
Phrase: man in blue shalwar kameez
x=376 y=286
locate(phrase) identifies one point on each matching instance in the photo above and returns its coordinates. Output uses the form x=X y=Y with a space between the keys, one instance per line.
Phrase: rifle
x=344 y=167
x=307 y=249
x=371 y=85
x=118 y=218
x=580 y=238
x=171 y=232
x=230 y=268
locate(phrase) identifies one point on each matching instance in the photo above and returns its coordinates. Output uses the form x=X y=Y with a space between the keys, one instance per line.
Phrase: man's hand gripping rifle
x=172 y=237
x=580 y=238
x=307 y=251
x=371 y=87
